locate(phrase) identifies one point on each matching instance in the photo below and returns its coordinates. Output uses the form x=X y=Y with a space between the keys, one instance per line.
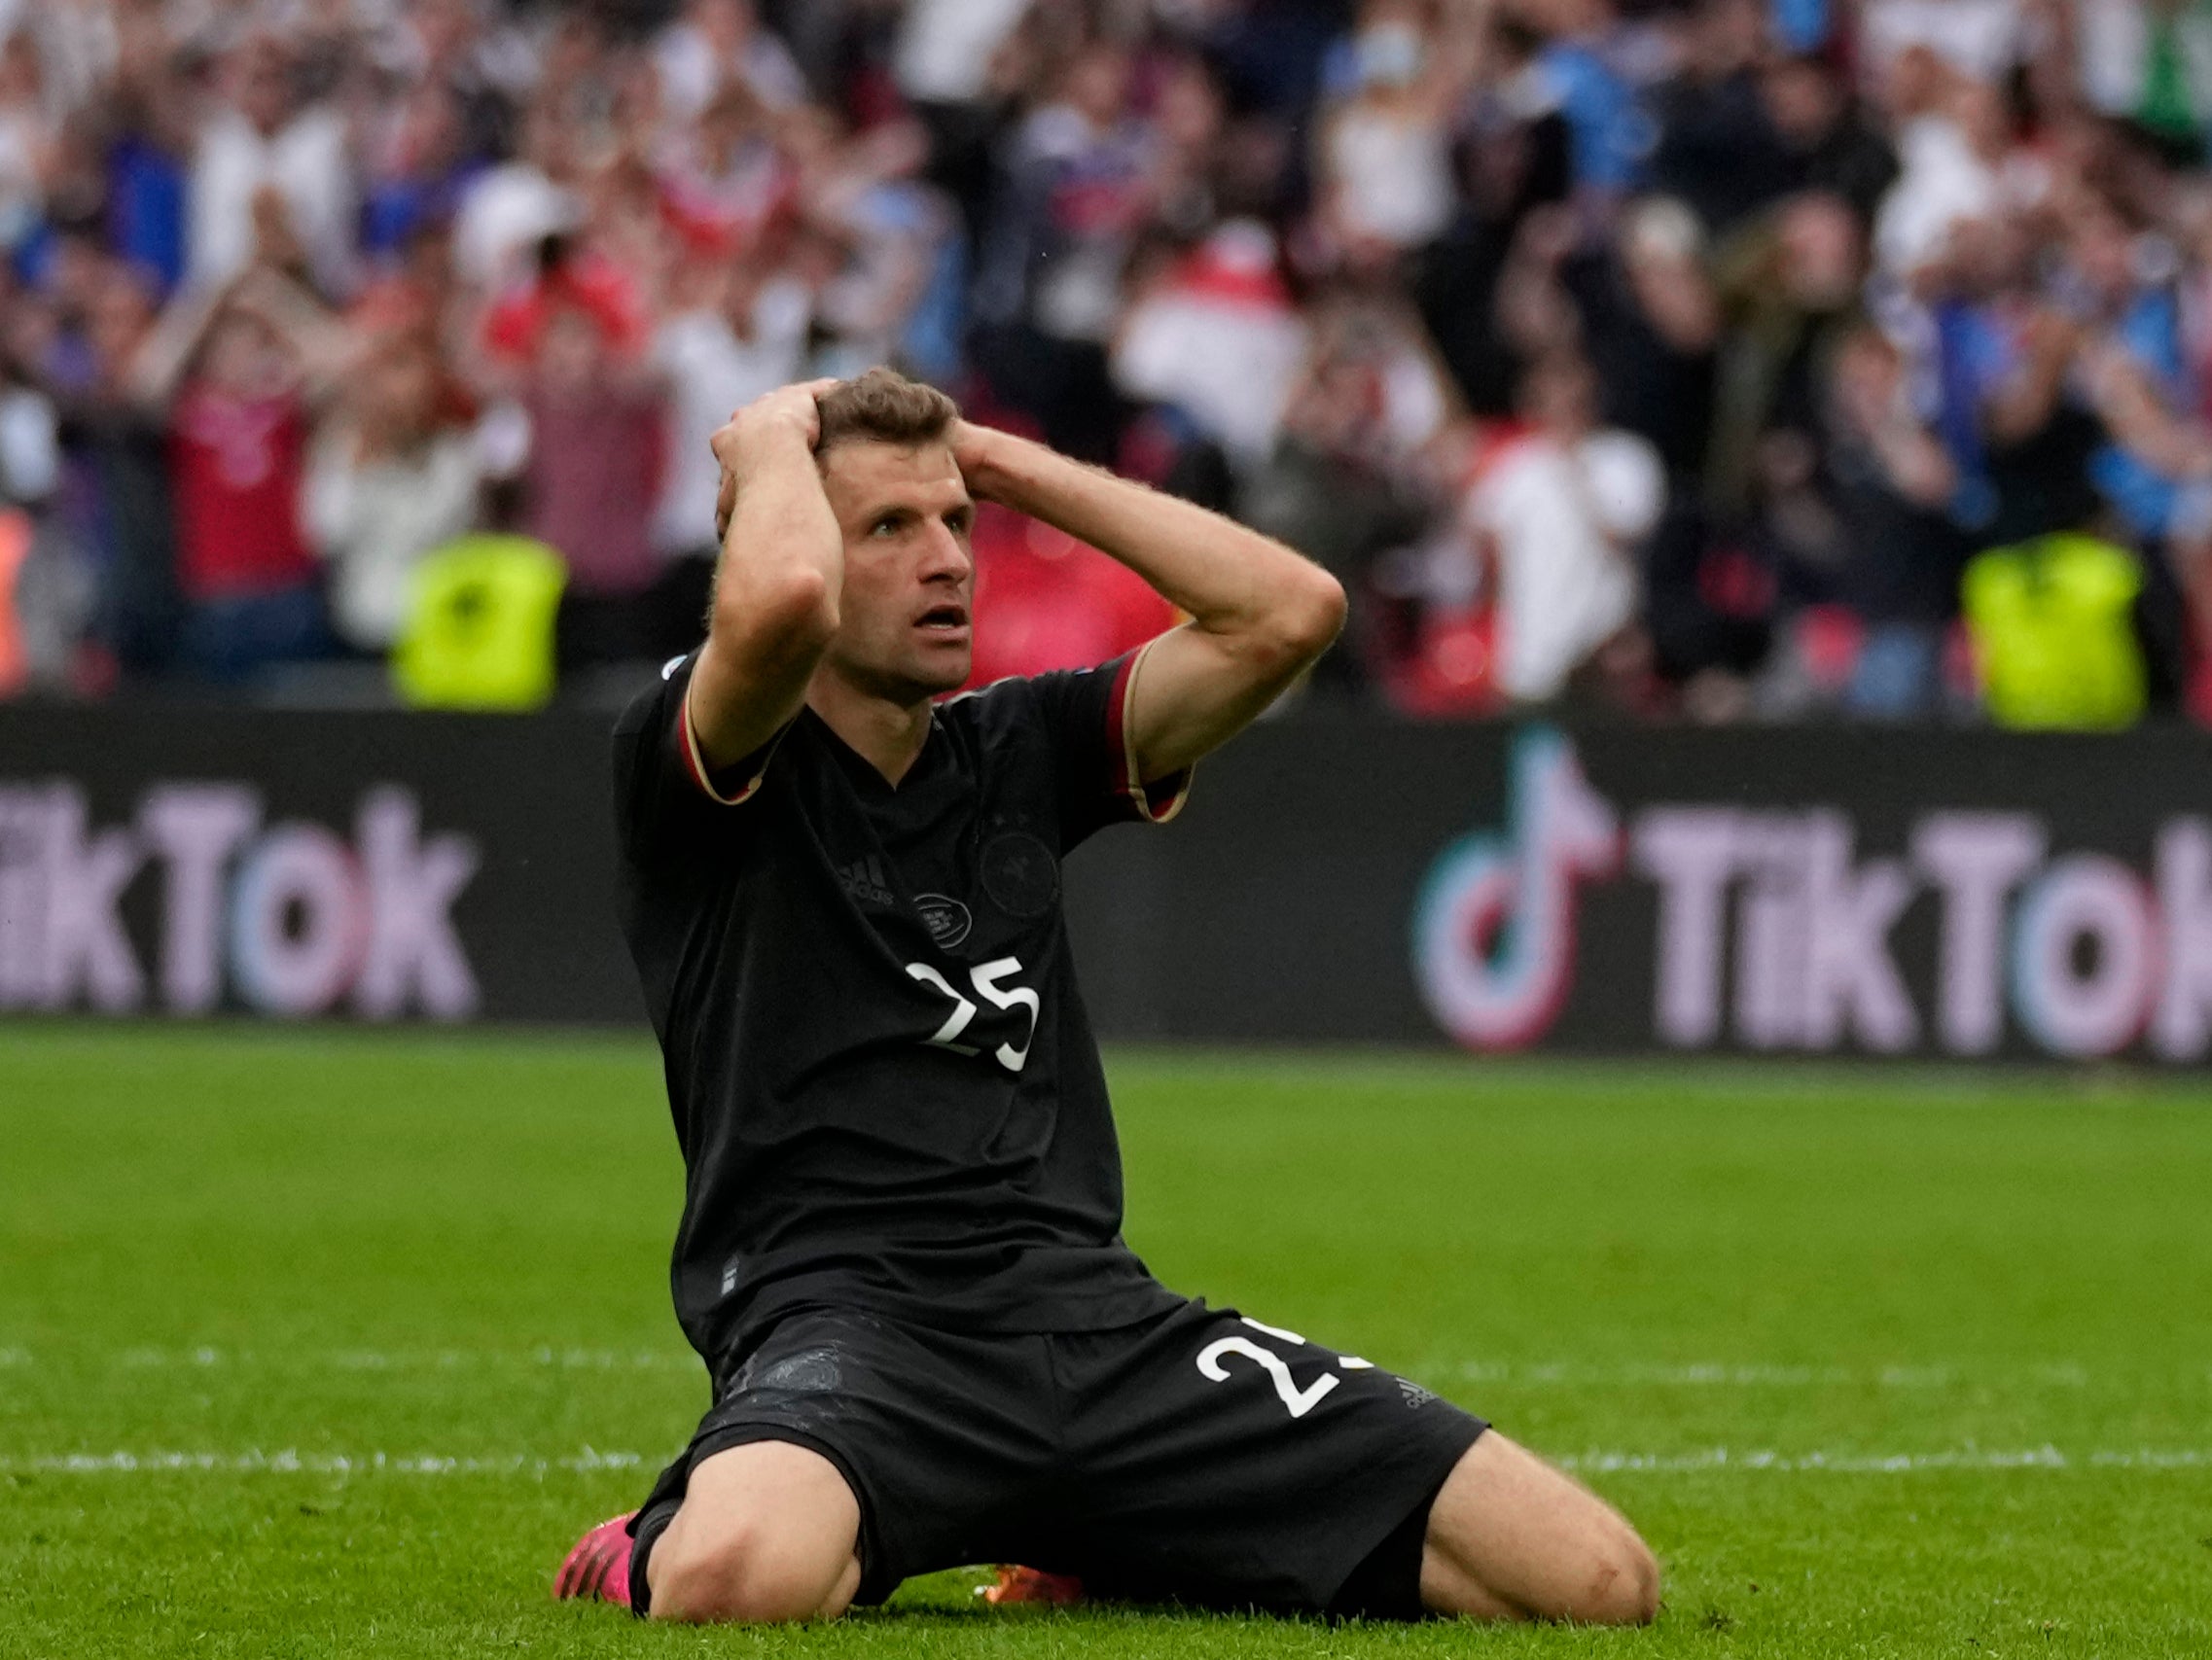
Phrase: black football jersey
x=883 y=1077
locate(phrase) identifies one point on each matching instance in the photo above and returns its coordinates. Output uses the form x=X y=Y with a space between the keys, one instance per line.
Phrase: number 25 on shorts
x=1214 y=1358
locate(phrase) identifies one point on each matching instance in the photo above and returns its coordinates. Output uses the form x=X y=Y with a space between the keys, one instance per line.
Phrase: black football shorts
x=1197 y=1456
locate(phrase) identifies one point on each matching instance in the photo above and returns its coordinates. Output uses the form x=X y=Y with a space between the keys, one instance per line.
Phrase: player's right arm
x=777 y=583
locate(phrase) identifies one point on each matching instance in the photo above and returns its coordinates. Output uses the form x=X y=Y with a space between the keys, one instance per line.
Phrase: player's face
x=905 y=623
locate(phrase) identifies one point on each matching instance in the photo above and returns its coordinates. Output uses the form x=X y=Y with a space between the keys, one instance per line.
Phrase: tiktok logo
x=1494 y=927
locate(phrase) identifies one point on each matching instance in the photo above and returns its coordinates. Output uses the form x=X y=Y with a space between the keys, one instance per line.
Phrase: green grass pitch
x=318 y=1344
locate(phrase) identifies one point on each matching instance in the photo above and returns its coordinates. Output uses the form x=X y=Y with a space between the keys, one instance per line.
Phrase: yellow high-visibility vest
x=480 y=625
x=2054 y=627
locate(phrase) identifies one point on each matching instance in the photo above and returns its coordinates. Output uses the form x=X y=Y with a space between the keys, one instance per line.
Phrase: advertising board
x=1336 y=877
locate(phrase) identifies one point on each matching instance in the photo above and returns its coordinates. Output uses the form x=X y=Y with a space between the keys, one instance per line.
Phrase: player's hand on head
x=789 y=411
x=973 y=448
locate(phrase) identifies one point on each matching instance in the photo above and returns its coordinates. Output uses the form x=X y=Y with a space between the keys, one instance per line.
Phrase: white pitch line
x=559 y=1359
x=1715 y=1374
x=1889 y=1463
x=292 y=1462
x=381 y=1360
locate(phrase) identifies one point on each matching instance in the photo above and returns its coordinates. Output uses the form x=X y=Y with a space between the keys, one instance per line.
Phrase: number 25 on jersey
x=988 y=978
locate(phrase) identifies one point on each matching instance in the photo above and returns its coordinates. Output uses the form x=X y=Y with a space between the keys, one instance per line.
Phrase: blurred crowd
x=1733 y=359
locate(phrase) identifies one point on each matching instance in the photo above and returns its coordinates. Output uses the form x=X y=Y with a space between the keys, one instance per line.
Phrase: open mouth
x=947 y=618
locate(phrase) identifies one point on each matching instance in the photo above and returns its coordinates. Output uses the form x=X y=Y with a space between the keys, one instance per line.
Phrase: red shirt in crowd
x=236 y=463
x=594 y=286
x=593 y=479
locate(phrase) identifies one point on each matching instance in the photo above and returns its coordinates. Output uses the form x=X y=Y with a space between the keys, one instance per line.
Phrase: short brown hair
x=883 y=406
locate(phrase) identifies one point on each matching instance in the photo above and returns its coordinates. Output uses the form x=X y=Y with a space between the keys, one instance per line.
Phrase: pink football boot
x=598 y=1565
x=1017 y=1584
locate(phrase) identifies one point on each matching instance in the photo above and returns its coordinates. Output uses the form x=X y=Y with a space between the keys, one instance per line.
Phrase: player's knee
x=741 y=1576
x=1622 y=1587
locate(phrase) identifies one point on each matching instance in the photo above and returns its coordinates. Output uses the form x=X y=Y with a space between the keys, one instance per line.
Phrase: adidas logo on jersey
x=1415 y=1393
x=862 y=882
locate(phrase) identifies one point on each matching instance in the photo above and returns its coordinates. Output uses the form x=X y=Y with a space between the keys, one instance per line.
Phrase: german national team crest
x=1020 y=875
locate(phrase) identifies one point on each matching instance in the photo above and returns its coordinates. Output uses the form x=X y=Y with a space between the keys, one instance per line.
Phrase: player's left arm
x=1259 y=612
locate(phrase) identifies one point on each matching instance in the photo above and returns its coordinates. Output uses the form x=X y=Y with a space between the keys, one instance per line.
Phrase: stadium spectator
x=31 y=468
x=1955 y=162
x=509 y=209
x=725 y=176
x=591 y=476
x=148 y=119
x=2142 y=61
x=732 y=332
x=1368 y=401
x=235 y=368
x=26 y=139
x=1640 y=307
x=873 y=244
x=1596 y=65
x=1563 y=508
x=957 y=64
x=419 y=166
x=272 y=167
x=1382 y=155
x=1828 y=141
x=117 y=504
x=1858 y=519
x=1514 y=159
x=716 y=45
x=1217 y=336
x=1982 y=40
x=1078 y=184
x=394 y=473
x=1719 y=148
x=1790 y=286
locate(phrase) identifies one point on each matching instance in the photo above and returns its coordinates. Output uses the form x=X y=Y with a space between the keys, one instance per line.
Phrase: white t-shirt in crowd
x=504 y=214
x=1565 y=524
x=713 y=373
x=1392 y=175
x=1941 y=182
x=307 y=165
x=1981 y=39
x=692 y=72
x=373 y=523
x=945 y=47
